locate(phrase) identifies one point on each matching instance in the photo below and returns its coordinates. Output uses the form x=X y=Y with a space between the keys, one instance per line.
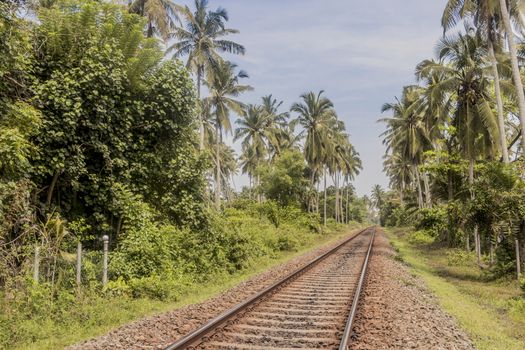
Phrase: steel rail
x=345 y=339
x=195 y=336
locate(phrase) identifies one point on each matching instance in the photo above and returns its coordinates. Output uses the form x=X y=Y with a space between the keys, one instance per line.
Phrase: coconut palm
x=248 y=163
x=288 y=138
x=406 y=133
x=223 y=84
x=462 y=62
x=378 y=196
x=253 y=130
x=201 y=40
x=227 y=167
x=486 y=16
x=315 y=113
x=505 y=15
x=276 y=122
x=162 y=16
x=399 y=171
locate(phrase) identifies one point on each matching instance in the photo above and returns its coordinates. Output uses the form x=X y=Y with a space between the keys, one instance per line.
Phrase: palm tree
x=399 y=171
x=486 y=16
x=462 y=63
x=162 y=16
x=202 y=40
x=227 y=167
x=406 y=132
x=505 y=15
x=224 y=87
x=248 y=163
x=378 y=195
x=351 y=167
x=288 y=138
x=276 y=122
x=315 y=112
x=253 y=130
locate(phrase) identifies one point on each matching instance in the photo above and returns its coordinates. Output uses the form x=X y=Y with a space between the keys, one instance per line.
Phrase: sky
x=360 y=52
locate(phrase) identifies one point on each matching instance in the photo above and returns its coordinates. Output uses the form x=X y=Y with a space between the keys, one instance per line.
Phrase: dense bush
x=433 y=220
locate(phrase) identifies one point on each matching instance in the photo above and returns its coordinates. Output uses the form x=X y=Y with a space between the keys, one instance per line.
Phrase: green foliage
x=460 y=257
x=433 y=221
x=422 y=237
x=284 y=181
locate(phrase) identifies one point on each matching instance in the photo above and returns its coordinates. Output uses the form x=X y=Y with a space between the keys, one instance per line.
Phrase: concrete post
x=518 y=260
x=105 y=238
x=79 y=263
x=36 y=265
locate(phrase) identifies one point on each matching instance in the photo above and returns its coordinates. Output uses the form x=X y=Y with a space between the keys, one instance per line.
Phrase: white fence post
x=518 y=260
x=105 y=238
x=79 y=263
x=36 y=264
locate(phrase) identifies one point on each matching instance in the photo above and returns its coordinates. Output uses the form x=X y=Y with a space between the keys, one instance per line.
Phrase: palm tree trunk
x=218 y=167
x=258 y=183
x=401 y=192
x=515 y=67
x=499 y=104
x=336 y=202
x=418 y=184
x=317 y=199
x=201 y=127
x=472 y=196
x=347 y=202
x=324 y=204
x=428 y=194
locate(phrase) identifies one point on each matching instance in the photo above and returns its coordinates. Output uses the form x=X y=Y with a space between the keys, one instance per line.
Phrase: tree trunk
x=518 y=260
x=499 y=104
x=401 y=190
x=450 y=186
x=52 y=188
x=477 y=242
x=428 y=194
x=347 y=202
x=418 y=184
x=258 y=183
x=515 y=67
x=324 y=204
x=336 y=202
x=149 y=32
x=218 y=167
x=317 y=199
x=201 y=127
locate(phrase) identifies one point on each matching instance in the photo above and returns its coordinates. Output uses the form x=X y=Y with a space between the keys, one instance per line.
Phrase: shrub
x=460 y=257
x=154 y=287
x=118 y=288
x=421 y=237
x=434 y=220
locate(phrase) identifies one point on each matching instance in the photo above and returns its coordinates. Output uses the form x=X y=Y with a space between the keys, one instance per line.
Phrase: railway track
x=311 y=308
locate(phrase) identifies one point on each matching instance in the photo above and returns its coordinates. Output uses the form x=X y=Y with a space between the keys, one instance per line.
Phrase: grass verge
x=99 y=318
x=491 y=311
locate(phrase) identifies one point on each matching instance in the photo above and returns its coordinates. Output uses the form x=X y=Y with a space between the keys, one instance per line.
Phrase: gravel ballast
x=397 y=311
